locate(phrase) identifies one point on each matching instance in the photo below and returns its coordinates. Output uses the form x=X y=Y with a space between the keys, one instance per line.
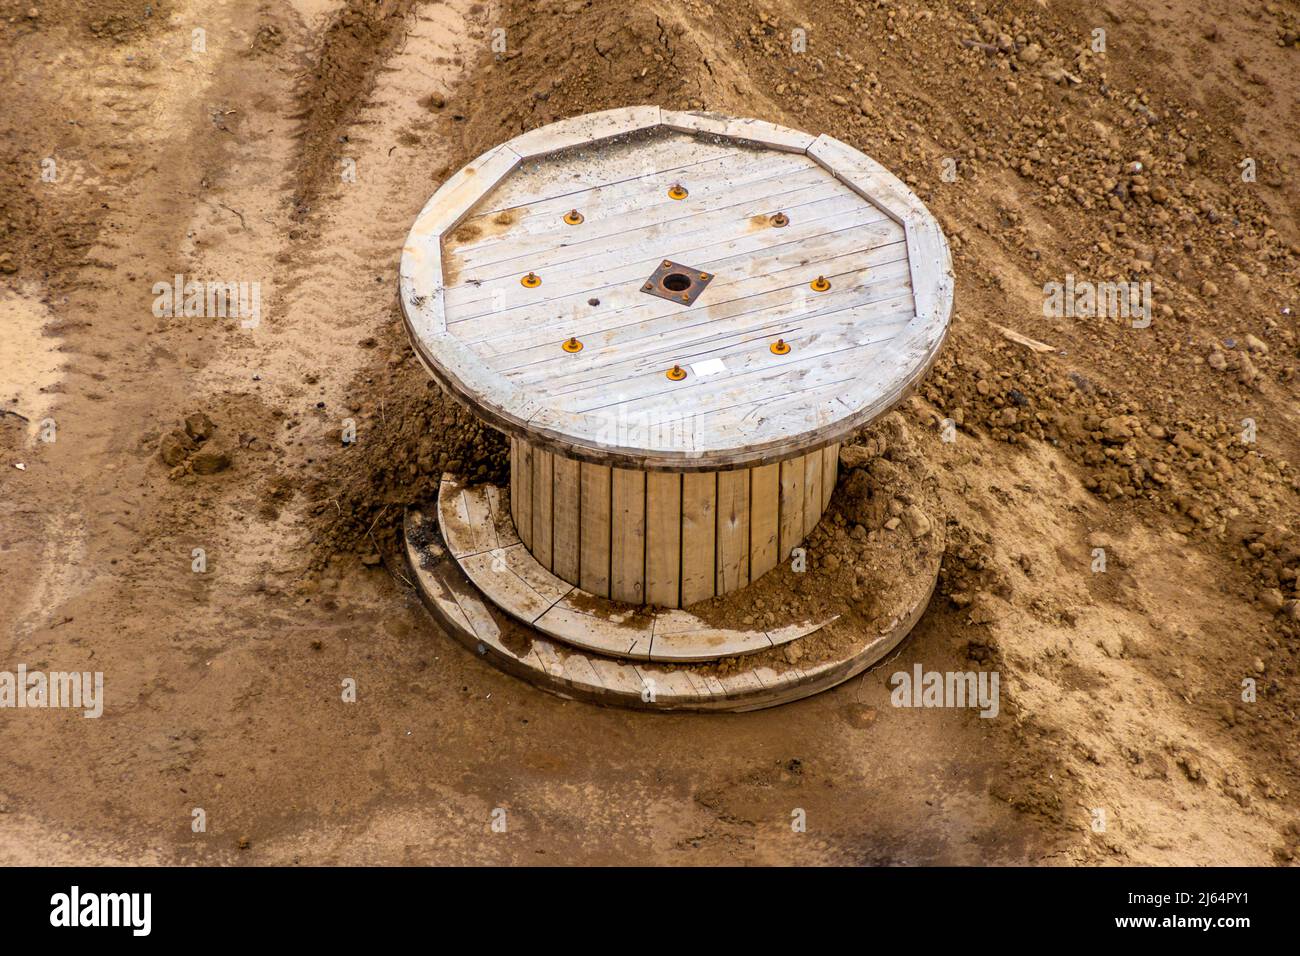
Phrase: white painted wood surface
x=855 y=349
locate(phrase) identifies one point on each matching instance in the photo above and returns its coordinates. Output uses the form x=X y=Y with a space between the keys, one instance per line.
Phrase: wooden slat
x=699 y=529
x=593 y=558
x=618 y=636
x=514 y=482
x=565 y=543
x=830 y=469
x=503 y=524
x=543 y=487
x=628 y=539
x=792 y=482
x=764 y=519
x=521 y=474
x=758 y=132
x=508 y=590
x=812 y=488
x=733 y=530
x=663 y=538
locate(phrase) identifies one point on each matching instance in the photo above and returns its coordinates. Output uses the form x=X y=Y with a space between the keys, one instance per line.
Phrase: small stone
x=1254 y=344
x=792 y=652
x=1271 y=599
x=209 y=462
x=918 y=522
x=173 y=448
x=1115 y=431
x=1217 y=360
x=199 y=427
x=1031 y=54
x=854 y=456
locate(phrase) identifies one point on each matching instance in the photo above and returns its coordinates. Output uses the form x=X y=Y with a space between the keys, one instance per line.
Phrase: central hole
x=677 y=282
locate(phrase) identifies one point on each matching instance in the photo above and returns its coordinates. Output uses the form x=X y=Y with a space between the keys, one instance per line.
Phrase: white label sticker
x=709 y=367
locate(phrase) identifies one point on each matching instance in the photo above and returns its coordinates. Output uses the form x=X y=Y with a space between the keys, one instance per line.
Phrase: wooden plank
x=830 y=471
x=514 y=483
x=453 y=515
x=543 y=488
x=478 y=510
x=629 y=637
x=508 y=591
x=663 y=538
x=521 y=474
x=593 y=566
x=699 y=530
x=764 y=519
x=565 y=542
x=812 y=487
x=627 y=536
x=681 y=636
x=792 y=482
x=733 y=530
x=754 y=131
x=502 y=522
x=586 y=129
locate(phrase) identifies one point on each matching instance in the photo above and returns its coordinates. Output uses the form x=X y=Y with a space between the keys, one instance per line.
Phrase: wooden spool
x=676 y=317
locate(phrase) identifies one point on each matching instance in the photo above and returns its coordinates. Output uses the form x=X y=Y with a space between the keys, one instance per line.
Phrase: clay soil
x=228 y=154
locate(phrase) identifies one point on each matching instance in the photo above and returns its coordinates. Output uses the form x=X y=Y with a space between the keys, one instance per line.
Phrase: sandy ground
x=221 y=155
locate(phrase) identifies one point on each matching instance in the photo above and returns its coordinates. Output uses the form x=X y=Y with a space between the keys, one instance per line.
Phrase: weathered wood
x=521 y=472
x=830 y=472
x=764 y=519
x=792 y=498
x=503 y=525
x=663 y=538
x=565 y=510
x=628 y=536
x=733 y=531
x=812 y=490
x=593 y=557
x=543 y=488
x=699 y=530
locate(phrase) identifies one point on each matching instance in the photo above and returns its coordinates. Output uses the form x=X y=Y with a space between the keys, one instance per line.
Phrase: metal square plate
x=676 y=282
